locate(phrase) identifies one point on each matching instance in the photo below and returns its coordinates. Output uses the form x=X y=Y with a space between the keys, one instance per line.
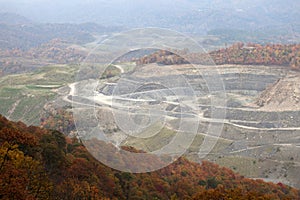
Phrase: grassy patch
x=156 y=142
x=43 y=87
x=244 y=165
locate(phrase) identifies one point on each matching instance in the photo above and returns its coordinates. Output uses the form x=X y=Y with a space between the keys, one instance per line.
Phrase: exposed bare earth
x=257 y=141
x=283 y=95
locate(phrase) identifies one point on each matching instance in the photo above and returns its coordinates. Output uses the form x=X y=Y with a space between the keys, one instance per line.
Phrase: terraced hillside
x=23 y=96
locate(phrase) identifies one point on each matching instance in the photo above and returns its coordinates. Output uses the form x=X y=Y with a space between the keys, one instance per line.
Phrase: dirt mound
x=283 y=95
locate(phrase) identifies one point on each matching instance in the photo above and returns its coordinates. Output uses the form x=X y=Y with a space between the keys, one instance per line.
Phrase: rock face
x=282 y=95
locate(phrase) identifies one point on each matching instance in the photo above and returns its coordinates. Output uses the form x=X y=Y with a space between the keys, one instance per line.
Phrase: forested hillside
x=56 y=51
x=239 y=53
x=37 y=163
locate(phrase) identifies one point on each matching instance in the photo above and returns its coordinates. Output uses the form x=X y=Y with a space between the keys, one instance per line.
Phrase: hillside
x=13 y=19
x=238 y=53
x=37 y=163
x=56 y=51
x=283 y=95
x=22 y=33
x=183 y=15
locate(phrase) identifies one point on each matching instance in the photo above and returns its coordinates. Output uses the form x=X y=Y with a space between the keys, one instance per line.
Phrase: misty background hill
x=28 y=23
x=19 y=32
x=189 y=15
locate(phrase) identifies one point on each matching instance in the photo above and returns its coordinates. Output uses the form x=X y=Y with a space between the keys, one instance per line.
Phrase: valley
x=248 y=121
x=135 y=100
